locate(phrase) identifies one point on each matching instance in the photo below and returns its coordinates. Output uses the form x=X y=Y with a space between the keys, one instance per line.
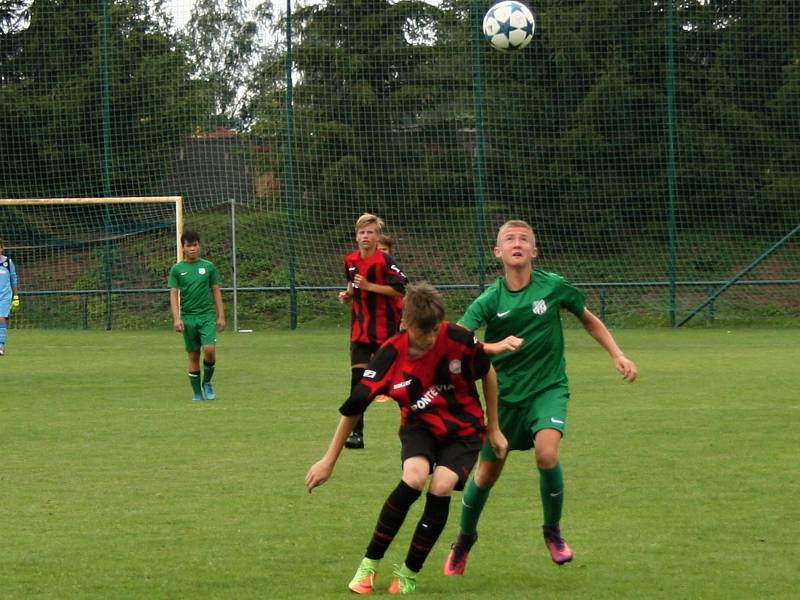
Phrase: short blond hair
x=515 y=223
x=369 y=219
x=423 y=306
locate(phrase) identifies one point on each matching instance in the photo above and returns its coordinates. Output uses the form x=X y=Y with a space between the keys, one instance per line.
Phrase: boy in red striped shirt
x=430 y=370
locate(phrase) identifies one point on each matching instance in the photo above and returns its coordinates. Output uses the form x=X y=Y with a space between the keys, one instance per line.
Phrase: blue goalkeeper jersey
x=8 y=281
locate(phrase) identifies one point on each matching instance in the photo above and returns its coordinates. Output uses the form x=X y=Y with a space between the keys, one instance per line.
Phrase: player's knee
x=546 y=458
x=443 y=486
x=415 y=473
x=210 y=354
x=443 y=482
x=414 y=479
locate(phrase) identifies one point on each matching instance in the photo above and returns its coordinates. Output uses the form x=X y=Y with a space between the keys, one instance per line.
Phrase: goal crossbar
x=176 y=200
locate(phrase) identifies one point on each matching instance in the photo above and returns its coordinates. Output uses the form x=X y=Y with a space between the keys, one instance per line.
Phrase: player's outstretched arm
x=321 y=470
x=497 y=440
x=597 y=329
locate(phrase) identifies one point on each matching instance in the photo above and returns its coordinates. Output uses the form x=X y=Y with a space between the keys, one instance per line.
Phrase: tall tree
x=737 y=68
x=225 y=42
x=55 y=137
x=371 y=98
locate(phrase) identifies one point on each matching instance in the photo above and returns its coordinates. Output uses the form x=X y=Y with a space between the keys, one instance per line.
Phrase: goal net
x=92 y=262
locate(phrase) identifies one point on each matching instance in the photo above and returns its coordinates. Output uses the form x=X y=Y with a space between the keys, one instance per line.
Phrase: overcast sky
x=182 y=9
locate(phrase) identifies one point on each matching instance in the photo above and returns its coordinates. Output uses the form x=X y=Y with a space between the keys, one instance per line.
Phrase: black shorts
x=361 y=352
x=457 y=454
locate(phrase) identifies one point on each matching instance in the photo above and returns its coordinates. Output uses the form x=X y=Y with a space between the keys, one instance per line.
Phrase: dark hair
x=423 y=306
x=386 y=240
x=190 y=237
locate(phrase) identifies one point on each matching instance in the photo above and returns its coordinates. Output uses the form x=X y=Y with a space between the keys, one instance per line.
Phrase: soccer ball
x=509 y=25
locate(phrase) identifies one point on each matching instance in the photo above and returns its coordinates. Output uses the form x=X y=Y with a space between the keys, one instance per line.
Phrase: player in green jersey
x=197 y=311
x=525 y=340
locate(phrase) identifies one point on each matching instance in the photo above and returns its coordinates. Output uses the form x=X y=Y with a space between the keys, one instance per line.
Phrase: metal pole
x=234 y=282
x=290 y=200
x=106 y=111
x=728 y=284
x=672 y=169
x=480 y=166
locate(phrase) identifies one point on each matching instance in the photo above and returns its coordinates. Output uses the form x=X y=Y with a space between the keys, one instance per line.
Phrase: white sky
x=182 y=9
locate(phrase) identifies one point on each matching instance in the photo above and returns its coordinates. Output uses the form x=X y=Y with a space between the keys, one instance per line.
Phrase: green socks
x=551 y=486
x=472 y=504
x=208 y=371
x=194 y=379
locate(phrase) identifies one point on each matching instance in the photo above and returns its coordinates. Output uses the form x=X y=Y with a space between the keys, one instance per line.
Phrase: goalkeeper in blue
x=9 y=294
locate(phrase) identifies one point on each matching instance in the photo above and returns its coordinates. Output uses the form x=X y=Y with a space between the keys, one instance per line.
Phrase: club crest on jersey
x=202 y=270
x=455 y=366
x=539 y=307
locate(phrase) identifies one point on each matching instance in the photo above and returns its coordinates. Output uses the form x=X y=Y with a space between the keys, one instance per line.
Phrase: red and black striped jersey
x=375 y=317
x=436 y=390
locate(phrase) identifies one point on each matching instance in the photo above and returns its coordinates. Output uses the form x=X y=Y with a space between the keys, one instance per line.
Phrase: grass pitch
x=114 y=484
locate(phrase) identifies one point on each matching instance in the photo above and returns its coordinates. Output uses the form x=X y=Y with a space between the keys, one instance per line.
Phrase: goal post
x=80 y=260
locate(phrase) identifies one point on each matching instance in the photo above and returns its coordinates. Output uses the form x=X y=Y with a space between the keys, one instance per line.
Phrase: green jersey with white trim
x=533 y=314
x=194 y=280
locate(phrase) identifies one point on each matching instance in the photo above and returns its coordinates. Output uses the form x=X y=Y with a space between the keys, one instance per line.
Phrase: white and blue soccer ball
x=509 y=25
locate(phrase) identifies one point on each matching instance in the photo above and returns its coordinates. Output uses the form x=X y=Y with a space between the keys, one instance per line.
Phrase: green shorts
x=520 y=421
x=199 y=331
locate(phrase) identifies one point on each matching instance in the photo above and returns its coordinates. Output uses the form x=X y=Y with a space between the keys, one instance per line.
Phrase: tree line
x=403 y=100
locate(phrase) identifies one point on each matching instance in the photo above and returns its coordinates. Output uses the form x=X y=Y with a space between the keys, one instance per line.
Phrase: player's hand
x=627 y=367
x=499 y=443
x=178 y=325
x=510 y=344
x=345 y=297
x=15 y=303
x=221 y=324
x=360 y=281
x=318 y=474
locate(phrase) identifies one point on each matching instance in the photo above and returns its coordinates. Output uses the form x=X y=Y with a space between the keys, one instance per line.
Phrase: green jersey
x=532 y=314
x=194 y=280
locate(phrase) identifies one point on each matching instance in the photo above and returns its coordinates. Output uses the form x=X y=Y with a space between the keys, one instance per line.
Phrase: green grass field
x=114 y=485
